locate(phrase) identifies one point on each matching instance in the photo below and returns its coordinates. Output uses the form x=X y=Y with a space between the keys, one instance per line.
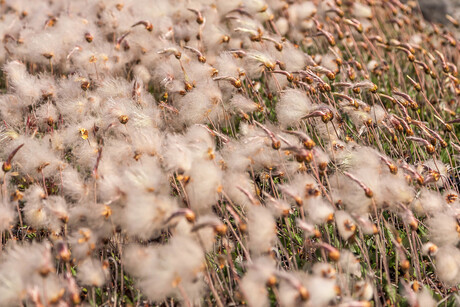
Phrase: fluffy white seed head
x=261 y=229
x=293 y=105
x=92 y=272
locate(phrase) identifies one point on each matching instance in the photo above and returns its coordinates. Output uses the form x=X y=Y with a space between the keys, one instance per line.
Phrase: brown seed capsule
x=137 y=155
x=45 y=270
x=338 y=61
x=309 y=144
x=276 y=144
x=17 y=195
x=304 y=294
x=322 y=166
x=286 y=212
x=85 y=85
x=331 y=41
x=51 y=22
x=89 y=38
x=430 y=149
x=405 y=265
x=451 y=198
x=63 y=252
x=271 y=281
x=415 y=286
x=334 y=255
x=420 y=180
x=413 y=224
x=237 y=83
x=84 y=133
x=309 y=157
x=225 y=39
x=311 y=190
x=50 y=121
x=443 y=143
x=409 y=132
x=375 y=230
x=393 y=169
x=147 y=25
x=48 y=55
x=327 y=117
x=188 y=86
x=190 y=216
x=298 y=201
x=106 y=211
x=184 y=179
x=123 y=119
x=432 y=250
x=445 y=68
x=317 y=233
x=220 y=229
x=6 y=167
x=369 y=193
x=351 y=73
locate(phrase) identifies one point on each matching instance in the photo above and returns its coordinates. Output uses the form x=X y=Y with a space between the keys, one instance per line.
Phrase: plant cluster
x=259 y=152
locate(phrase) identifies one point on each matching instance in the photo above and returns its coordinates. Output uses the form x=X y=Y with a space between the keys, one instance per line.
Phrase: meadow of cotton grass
x=227 y=153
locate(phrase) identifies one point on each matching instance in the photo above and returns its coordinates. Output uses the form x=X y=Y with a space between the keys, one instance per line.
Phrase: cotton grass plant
x=225 y=153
